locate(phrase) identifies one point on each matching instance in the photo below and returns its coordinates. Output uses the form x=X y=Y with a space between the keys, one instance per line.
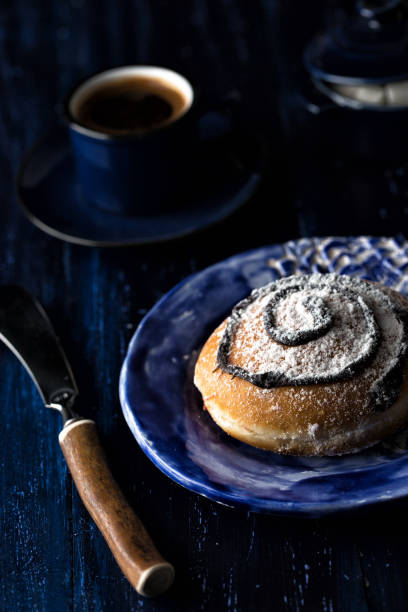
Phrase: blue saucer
x=225 y=178
x=164 y=410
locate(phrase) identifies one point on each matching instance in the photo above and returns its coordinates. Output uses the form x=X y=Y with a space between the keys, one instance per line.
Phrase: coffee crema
x=131 y=104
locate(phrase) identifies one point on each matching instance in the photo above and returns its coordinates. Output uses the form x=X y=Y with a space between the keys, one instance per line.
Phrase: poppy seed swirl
x=317 y=329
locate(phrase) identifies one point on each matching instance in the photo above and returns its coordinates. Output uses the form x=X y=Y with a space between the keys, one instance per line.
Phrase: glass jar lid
x=366 y=42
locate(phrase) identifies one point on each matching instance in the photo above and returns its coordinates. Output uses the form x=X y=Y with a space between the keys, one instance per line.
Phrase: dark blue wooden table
x=51 y=555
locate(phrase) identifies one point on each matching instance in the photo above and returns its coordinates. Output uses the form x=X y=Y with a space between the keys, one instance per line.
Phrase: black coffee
x=131 y=104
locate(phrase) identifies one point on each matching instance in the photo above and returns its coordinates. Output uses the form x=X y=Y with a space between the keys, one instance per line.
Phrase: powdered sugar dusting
x=366 y=334
x=312 y=429
x=293 y=314
x=259 y=354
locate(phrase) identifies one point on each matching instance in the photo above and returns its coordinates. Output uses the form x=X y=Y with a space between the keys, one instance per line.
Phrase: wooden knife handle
x=128 y=540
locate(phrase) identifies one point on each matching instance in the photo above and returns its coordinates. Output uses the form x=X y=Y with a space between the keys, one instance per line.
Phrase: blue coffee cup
x=133 y=172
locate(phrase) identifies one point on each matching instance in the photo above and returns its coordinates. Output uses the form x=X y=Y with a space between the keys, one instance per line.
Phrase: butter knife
x=27 y=331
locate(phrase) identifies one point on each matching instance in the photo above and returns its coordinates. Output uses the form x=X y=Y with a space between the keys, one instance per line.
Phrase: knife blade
x=27 y=331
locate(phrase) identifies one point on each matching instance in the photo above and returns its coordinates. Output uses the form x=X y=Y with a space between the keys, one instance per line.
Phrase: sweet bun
x=309 y=365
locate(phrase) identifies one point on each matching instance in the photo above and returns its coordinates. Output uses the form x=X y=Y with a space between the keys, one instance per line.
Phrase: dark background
x=51 y=555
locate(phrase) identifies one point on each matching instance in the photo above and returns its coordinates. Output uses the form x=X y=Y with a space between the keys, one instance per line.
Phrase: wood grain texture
x=123 y=531
x=52 y=556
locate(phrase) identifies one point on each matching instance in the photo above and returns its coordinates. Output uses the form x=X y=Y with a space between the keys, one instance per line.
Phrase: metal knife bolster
x=63 y=401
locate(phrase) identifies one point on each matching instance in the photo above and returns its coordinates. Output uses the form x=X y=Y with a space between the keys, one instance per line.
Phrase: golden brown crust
x=320 y=419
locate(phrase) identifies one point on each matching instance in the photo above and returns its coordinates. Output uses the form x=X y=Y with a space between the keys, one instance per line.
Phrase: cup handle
x=218 y=119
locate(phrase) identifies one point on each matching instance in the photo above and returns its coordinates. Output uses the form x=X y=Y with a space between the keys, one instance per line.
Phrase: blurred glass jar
x=360 y=63
x=349 y=132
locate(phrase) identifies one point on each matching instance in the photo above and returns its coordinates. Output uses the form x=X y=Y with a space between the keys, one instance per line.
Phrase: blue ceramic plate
x=164 y=410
